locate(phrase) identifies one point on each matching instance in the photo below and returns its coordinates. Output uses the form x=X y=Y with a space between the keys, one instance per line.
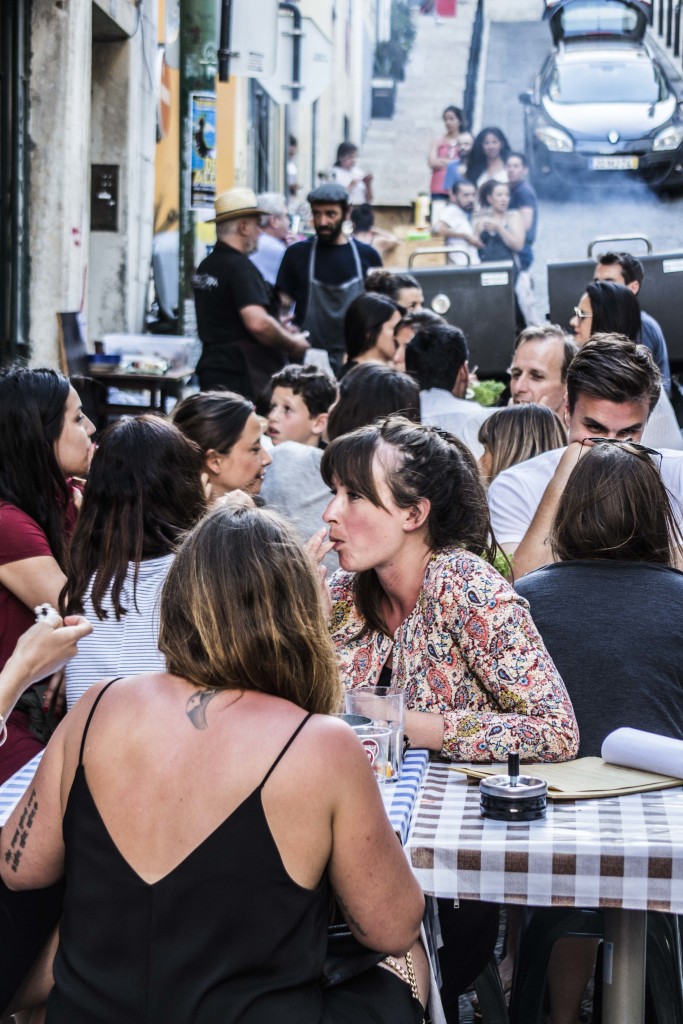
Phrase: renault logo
x=613 y=136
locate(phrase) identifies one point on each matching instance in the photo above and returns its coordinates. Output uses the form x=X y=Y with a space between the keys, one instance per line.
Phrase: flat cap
x=330 y=192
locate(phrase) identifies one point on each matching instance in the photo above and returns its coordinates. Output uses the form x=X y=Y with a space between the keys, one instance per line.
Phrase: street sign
x=316 y=62
x=253 y=37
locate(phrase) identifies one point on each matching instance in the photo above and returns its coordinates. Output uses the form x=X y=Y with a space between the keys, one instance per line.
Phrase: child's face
x=290 y=420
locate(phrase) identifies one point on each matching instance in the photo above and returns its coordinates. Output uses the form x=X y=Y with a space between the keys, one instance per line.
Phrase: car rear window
x=598 y=19
x=608 y=82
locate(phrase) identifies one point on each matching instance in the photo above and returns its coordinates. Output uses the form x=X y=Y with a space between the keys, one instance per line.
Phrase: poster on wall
x=203 y=166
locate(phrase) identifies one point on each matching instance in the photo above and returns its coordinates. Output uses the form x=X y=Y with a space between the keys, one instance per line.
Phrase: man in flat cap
x=242 y=344
x=322 y=275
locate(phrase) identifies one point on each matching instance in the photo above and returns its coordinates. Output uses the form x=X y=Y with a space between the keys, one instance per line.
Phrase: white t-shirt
x=662 y=430
x=516 y=493
x=439 y=408
x=455 y=217
x=124 y=648
x=343 y=176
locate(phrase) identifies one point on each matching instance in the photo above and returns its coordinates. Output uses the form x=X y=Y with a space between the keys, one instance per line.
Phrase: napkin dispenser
x=512 y=797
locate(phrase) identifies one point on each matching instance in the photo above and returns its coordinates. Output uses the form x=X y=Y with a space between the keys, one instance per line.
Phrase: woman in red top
x=45 y=439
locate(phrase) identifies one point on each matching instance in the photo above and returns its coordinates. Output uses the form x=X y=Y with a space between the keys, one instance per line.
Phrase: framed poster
x=203 y=146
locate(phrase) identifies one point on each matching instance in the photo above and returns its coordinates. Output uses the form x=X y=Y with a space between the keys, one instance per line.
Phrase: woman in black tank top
x=203 y=817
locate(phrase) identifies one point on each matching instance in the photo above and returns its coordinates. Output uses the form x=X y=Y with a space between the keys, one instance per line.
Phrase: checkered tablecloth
x=624 y=852
x=399 y=797
x=12 y=790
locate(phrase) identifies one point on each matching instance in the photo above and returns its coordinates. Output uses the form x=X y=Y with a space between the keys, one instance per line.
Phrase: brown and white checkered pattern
x=622 y=852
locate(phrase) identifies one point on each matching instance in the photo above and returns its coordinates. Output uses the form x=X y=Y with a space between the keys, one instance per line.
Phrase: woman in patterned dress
x=416 y=605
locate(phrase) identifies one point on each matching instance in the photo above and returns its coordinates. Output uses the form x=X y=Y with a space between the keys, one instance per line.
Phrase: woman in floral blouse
x=415 y=604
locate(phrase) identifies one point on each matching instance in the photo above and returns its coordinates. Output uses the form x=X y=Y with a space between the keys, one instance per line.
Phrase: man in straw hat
x=242 y=344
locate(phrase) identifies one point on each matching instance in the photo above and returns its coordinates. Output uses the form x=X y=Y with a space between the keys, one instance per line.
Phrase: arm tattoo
x=352 y=923
x=16 y=847
x=195 y=709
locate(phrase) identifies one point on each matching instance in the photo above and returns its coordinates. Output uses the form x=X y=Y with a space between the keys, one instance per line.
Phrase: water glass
x=375 y=740
x=385 y=706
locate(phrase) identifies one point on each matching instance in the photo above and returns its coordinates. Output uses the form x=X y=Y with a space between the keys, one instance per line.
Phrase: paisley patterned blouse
x=469 y=650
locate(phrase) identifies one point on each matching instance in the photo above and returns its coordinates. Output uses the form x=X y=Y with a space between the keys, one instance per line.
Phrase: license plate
x=614 y=163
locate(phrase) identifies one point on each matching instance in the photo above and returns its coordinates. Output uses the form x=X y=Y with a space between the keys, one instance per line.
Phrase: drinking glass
x=375 y=740
x=385 y=706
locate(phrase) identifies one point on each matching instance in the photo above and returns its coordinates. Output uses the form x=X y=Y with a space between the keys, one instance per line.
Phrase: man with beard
x=242 y=344
x=323 y=274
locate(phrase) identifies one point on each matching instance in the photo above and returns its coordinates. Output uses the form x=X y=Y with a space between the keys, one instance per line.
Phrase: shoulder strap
x=97 y=700
x=284 y=749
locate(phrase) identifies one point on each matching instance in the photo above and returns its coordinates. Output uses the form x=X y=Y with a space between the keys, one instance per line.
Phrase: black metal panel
x=661 y=294
x=480 y=300
x=14 y=59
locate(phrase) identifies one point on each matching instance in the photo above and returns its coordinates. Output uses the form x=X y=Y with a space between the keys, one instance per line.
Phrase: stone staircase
x=396 y=150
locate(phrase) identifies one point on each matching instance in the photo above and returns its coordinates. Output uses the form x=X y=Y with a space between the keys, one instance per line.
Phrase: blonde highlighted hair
x=241 y=609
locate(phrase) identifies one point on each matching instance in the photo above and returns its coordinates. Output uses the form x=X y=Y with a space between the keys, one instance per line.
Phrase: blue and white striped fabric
x=12 y=791
x=400 y=797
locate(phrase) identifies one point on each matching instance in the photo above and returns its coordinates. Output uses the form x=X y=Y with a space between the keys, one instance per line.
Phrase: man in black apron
x=322 y=275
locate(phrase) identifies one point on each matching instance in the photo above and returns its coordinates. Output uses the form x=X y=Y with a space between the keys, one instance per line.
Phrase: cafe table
x=622 y=854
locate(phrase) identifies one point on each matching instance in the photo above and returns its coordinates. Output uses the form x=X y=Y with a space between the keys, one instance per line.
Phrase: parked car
x=602 y=101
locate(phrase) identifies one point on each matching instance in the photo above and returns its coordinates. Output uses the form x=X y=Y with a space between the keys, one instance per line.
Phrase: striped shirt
x=124 y=648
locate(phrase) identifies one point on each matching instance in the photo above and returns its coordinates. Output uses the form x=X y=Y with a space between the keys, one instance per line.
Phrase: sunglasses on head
x=632 y=447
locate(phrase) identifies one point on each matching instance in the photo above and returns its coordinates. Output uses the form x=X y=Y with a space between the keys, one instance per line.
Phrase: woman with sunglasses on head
x=609 y=611
x=616 y=540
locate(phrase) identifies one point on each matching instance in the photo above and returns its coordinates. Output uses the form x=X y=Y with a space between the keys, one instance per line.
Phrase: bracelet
x=3 y=730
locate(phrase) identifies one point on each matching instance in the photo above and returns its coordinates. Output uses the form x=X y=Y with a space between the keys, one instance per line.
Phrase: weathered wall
x=123 y=132
x=59 y=133
x=89 y=103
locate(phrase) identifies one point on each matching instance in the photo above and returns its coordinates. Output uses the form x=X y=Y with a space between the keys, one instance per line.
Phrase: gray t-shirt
x=293 y=486
x=614 y=631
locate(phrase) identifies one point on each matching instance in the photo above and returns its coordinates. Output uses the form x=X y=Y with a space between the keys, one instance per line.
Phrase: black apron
x=326 y=308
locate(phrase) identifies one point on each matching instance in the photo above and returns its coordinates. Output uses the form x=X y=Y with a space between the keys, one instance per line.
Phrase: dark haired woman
x=369 y=325
x=204 y=831
x=228 y=431
x=416 y=605
x=45 y=440
x=499 y=229
x=403 y=289
x=345 y=172
x=444 y=149
x=488 y=156
x=143 y=494
x=369 y=391
x=615 y=534
x=618 y=646
x=606 y=307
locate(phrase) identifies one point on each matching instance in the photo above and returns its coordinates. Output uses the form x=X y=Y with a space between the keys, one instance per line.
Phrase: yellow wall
x=167 y=159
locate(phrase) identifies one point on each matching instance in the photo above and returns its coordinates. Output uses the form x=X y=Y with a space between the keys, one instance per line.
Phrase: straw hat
x=238 y=202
